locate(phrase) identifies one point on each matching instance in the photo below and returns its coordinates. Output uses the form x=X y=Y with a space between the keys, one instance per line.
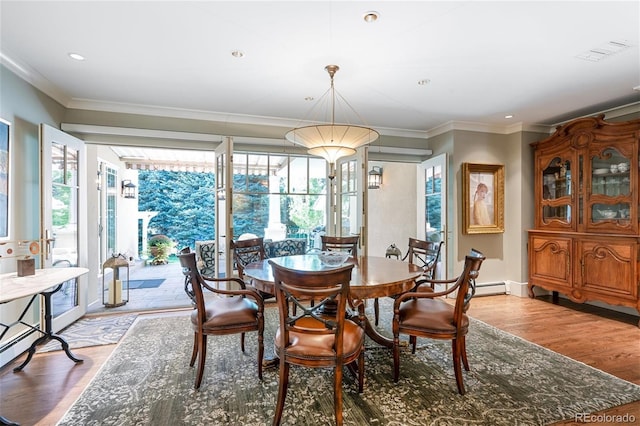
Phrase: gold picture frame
x=483 y=198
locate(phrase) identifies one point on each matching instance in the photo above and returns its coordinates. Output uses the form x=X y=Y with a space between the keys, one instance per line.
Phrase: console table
x=45 y=282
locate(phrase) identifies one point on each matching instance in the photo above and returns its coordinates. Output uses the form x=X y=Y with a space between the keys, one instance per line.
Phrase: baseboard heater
x=486 y=289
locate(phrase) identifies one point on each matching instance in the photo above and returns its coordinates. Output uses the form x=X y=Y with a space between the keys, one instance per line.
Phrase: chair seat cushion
x=433 y=316
x=227 y=312
x=320 y=346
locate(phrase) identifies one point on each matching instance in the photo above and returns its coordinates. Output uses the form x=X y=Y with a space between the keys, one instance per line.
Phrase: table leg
x=271 y=362
x=371 y=331
x=5 y=421
x=48 y=333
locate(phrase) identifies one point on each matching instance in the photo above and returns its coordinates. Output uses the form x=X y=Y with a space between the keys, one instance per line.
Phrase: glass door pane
x=556 y=184
x=610 y=187
x=432 y=209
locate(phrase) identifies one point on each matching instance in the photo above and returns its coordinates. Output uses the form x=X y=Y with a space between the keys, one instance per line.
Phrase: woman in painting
x=480 y=211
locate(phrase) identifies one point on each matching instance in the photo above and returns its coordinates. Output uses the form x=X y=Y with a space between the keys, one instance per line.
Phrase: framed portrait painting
x=4 y=179
x=483 y=198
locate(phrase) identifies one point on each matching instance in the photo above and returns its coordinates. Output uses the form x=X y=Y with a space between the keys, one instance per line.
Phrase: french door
x=224 y=205
x=63 y=218
x=432 y=206
x=347 y=211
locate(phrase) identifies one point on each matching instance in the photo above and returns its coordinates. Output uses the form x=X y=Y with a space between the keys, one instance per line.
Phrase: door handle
x=48 y=240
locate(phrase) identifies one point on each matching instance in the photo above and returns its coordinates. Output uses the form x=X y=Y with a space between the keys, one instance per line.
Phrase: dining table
x=371 y=277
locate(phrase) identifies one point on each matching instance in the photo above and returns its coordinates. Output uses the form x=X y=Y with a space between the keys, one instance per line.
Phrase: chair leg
x=202 y=352
x=282 y=392
x=337 y=394
x=376 y=310
x=413 y=340
x=457 y=367
x=260 y=353
x=194 y=353
x=242 y=342
x=396 y=357
x=361 y=371
x=463 y=352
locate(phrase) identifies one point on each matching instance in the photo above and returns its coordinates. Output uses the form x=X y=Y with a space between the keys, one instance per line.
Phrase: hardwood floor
x=609 y=341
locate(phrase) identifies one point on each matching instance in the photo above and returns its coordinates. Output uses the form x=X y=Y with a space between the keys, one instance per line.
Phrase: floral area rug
x=92 y=331
x=148 y=381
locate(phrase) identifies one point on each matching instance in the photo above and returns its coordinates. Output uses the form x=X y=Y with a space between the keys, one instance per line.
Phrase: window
x=279 y=196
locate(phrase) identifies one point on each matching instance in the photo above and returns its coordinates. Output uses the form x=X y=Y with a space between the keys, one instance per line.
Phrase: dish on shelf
x=607 y=214
x=600 y=171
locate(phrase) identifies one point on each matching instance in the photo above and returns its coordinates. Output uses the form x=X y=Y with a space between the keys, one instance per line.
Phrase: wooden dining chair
x=427 y=314
x=246 y=252
x=425 y=254
x=312 y=338
x=233 y=311
x=348 y=244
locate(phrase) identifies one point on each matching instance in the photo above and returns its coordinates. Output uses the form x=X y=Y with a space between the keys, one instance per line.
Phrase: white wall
x=392 y=212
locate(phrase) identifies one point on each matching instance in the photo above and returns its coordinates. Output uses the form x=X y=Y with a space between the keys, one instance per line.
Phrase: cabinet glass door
x=610 y=187
x=556 y=191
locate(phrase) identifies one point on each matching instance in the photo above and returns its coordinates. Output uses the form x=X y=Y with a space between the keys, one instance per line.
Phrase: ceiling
x=482 y=60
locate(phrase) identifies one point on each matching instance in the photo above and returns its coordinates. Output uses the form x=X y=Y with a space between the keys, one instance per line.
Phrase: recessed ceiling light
x=508 y=116
x=371 y=16
x=424 y=82
x=237 y=54
x=76 y=56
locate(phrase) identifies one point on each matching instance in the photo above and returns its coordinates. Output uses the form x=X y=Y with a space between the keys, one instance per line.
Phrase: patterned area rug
x=92 y=332
x=148 y=380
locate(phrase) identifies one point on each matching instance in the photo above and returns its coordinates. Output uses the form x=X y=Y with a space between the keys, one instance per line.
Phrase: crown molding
x=128 y=132
x=480 y=127
x=34 y=78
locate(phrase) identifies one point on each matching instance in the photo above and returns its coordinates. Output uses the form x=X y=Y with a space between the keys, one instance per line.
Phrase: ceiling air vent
x=607 y=49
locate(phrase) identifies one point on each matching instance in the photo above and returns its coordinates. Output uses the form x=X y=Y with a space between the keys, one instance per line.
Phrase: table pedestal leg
x=48 y=333
x=5 y=421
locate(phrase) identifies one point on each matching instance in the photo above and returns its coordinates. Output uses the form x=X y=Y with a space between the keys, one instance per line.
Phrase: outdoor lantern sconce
x=375 y=177
x=128 y=189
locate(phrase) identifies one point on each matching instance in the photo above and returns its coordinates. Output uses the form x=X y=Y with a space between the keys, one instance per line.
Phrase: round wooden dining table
x=371 y=277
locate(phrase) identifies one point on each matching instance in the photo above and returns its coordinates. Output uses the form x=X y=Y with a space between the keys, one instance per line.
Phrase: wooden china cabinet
x=586 y=241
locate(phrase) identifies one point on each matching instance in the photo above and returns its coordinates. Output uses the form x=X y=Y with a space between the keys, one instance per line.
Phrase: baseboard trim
x=486 y=289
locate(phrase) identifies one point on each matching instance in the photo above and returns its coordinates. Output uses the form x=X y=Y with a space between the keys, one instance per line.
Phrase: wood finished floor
x=609 y=341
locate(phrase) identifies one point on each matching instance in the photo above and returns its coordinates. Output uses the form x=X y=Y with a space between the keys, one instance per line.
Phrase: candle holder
x=113 y=289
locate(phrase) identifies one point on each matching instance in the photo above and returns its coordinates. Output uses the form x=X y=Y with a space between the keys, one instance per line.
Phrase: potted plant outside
x=160 y=248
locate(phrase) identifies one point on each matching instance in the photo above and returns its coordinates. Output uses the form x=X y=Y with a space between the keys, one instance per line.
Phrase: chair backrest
x=193 y=281
x=206 y=257
x=293 y=290
x=466 y=284
x=425 y=254
x=247 y=251
x=348 y=244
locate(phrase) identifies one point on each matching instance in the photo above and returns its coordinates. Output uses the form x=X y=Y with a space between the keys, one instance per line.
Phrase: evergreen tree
x=184 y=202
